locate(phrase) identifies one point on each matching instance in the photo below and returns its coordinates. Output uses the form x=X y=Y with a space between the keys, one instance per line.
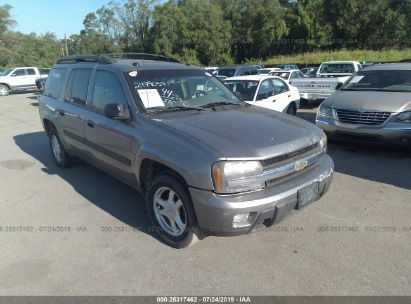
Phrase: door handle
x=62 y=113
x=289 y=95
x=274 y=100
x=90 y=123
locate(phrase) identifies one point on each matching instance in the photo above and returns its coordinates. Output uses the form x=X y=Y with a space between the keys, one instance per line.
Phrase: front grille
x=267 y=163
x=362 y=117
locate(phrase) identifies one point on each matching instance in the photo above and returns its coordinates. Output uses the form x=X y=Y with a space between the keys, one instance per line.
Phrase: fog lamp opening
x=243 y=219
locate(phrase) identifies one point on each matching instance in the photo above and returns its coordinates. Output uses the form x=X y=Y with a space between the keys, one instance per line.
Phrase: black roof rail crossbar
x=141 y=56
x=85 y=58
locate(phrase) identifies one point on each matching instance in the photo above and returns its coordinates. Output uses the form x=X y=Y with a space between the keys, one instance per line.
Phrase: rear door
x=72 y=111
x=31 y=77
x=265 y=95
x=108 y=140
x=282 y=94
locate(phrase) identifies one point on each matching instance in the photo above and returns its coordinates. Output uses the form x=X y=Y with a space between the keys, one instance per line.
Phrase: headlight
x=404 y=117
x=323 y=142
x=234 y=176
x=325 y=111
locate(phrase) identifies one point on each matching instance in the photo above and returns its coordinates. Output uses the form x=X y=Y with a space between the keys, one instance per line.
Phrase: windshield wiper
x=173 y=108
x=220 y=103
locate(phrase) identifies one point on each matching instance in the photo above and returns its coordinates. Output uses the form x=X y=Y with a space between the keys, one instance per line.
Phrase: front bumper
x=215 y=212
x=393 y=134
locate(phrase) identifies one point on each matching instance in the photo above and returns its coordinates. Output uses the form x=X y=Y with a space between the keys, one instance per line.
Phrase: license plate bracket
x=308 y=195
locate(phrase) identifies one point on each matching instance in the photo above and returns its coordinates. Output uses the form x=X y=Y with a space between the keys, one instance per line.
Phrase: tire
x=4 y=90
x=167 y=198
x=292 y=109
x=60 y=156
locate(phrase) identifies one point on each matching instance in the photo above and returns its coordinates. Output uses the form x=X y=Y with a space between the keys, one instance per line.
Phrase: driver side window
x=266 y=90
x=107 y=89
x=19 y=72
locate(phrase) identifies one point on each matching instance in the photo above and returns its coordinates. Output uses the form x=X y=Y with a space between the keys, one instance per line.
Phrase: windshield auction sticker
x=150 y=98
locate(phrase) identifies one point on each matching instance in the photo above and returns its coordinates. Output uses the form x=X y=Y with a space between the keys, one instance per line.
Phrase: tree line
x=217 y=32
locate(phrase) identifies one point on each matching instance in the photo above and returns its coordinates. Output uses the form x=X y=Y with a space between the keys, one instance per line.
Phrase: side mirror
x=339 y=85
x=13 y=75
x=117 y=111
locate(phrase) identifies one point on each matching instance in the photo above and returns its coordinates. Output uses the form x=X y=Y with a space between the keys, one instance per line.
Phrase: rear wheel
x=171 y=211
x=4 y=90
x=60 y=156
x=292 y=109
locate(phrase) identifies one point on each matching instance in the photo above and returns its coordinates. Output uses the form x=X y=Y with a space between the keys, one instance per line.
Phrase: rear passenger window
x=107 y=89
x=253 y=72
x=77 y=86
x=31 y=72
x=54 y=83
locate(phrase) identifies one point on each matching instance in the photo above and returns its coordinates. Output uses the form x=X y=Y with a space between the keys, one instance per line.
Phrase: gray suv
x=206 y=162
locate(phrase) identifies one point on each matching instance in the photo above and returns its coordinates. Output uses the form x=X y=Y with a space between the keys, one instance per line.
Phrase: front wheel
x=4 y=90
x=292 y=109
x=171 y=211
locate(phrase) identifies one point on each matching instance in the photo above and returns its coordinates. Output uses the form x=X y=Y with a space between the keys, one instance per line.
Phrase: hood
x=247 y=132
x=371 y=100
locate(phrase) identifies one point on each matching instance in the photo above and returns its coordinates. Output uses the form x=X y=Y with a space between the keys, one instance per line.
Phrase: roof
x=128 y=61
x=388 y=66
x=337 y=62
x=251 y=77
x=237 y=66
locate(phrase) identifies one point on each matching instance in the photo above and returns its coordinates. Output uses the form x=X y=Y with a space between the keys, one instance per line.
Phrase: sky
x=57 y=16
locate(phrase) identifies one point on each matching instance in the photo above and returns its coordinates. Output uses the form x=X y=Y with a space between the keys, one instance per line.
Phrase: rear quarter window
x=55 y=82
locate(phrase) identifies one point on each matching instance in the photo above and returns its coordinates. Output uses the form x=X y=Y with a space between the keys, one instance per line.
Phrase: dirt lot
x=69 y=232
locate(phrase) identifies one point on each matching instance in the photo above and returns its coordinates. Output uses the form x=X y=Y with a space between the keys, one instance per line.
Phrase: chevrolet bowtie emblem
x=301 y=164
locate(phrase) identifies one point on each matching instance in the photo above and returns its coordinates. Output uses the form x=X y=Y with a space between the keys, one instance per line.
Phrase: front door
x=18 y=78
x=109 y=140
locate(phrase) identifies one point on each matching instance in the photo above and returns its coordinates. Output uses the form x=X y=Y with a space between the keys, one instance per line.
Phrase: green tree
x=192 y=30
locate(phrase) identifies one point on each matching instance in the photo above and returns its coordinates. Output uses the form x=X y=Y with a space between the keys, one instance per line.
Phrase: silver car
x=374 y=105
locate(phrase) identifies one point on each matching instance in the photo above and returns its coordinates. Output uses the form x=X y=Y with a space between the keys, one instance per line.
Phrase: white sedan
x=269 y=92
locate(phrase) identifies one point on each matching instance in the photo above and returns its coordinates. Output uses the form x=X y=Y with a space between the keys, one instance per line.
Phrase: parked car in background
x=307 y=71
x=40 y=83
x=338 y=68
x=266 y=71
x=288 y=75
x=21 y=78
x=329 y=77
x=211 y=69
x=265 y=91
x=287 y=66
x=204 y=161
x=374 y=105
x=236 y=70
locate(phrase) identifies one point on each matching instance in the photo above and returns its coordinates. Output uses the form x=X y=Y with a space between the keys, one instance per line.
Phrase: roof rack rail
x=141 y=56
x=85 y=58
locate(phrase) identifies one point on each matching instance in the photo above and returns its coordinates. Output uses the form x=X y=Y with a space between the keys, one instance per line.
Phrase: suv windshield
x=331 y=68
x=178 y=89
x=380 y=80
x=5 y=72
x=226 y=72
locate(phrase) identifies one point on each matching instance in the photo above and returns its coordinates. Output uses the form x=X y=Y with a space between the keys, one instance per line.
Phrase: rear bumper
x=215 y=212
x=389 y=134
x=315 y=96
